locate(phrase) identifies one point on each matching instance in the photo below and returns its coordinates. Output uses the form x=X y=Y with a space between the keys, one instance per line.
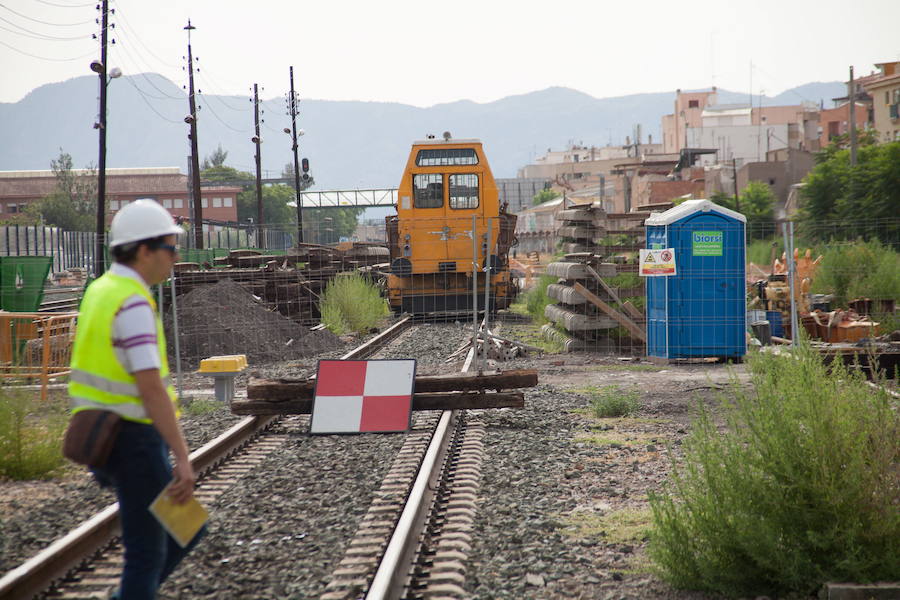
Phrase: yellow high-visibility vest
x=98 y=380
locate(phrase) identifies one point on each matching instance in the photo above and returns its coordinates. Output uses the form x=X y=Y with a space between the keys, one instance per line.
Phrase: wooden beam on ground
x=612 y=293
x=424 y=401
x=613 y=313
x=633 y=312
x=274 y=390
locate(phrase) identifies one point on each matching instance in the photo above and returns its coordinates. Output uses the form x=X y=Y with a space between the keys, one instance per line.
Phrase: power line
x=91 y=53
x=226 y=105
x=147 y=102
x=44 y=22
x=140 y=66
x=218 y=96
x=132 y=31
x=66 y=5
x=218 y=118
x=37 y=35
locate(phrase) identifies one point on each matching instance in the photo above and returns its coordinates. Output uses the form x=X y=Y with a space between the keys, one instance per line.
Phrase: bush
x=352 y=303
x=859 y=270
x=30 y=443
x=610 y=401
x=801 y=488
x=536 y=299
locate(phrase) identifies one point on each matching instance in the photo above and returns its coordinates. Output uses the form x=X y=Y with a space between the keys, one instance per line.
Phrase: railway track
x=411 y=540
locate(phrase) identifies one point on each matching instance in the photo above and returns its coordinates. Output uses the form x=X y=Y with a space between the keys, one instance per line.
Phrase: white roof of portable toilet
x=690 y=207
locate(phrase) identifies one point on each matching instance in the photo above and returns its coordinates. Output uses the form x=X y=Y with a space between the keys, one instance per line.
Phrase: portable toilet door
x=700 y=311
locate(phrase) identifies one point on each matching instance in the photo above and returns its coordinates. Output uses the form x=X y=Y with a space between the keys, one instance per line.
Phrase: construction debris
x=492 y=346
x=226 y=318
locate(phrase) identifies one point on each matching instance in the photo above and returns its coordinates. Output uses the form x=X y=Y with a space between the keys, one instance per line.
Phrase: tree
x=221 y=173
x=275 y=208
x=216 y=159
x=757 y=204
x=73 y=204
x=842 y=201
x=329 y=225
x=545 y=195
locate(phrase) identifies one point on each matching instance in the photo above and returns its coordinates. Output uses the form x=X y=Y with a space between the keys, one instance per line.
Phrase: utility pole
x=737 y=199
x=191 y=119
x=852 y=119
x=257 y=140
x=292 y=107
x=99 y=259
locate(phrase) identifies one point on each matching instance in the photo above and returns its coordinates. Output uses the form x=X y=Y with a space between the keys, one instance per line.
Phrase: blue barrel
x=775 y=324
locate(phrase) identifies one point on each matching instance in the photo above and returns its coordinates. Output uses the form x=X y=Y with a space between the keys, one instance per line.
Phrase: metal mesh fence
x=254 y=290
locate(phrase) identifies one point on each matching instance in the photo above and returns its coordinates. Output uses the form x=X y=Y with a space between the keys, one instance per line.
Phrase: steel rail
x=391 y=577
x=368 y=348
x=34 y=575
x=51 y=564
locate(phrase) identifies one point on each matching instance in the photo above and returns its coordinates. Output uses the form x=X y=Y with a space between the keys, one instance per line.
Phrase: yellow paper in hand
x=182 y=521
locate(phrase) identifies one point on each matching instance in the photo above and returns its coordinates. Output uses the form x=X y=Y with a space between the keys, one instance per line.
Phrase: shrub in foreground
x=611 y=401
x=802 y=486
x=352 y=303
x=30 y=440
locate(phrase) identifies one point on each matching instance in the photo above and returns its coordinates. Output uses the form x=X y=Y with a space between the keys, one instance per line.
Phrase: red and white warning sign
x=356 y=396
x=657 y=262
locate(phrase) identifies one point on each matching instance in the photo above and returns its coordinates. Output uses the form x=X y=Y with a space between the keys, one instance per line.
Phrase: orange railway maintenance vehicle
x=447 y=191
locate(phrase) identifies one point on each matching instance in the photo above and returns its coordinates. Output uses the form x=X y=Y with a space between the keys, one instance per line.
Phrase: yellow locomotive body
x=447 y=190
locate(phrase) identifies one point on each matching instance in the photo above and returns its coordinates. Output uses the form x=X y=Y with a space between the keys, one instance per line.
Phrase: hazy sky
x=425 y=52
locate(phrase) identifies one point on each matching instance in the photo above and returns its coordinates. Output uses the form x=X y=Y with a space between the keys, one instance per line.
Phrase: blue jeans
x=138 y=468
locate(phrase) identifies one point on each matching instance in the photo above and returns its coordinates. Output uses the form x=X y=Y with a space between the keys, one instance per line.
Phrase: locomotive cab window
x=442 y=157
x=464 y=191
x=428 y=189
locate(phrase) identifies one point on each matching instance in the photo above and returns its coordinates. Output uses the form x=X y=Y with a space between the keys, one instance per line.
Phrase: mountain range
x=349 y=144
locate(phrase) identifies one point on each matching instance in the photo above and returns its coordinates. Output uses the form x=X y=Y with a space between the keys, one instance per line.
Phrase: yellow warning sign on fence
x=655 y=263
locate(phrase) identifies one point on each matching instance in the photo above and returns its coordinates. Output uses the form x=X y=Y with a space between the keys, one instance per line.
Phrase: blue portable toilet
x=701 y=310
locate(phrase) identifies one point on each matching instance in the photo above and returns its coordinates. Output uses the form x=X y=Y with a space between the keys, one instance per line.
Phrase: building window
x=204 y=203
x=693 y=104
x=771 y=181
x=464 y=191
x=123 y=203
x=217 y=203
x=167 y=203
x=428 y=190
x=113 y=205
x=12 y=208
x=178 y=203
x=227 y=202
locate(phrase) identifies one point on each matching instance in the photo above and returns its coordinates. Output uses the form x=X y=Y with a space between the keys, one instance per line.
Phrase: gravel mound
x=225 y=318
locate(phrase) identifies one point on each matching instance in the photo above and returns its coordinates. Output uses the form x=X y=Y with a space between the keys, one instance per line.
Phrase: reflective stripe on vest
x=107 y=385
x=129 y=411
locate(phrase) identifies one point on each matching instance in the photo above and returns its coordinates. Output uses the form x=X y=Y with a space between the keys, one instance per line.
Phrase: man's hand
x=182 y=487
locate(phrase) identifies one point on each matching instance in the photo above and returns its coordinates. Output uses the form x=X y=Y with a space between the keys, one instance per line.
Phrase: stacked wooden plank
x=430 y=392
x=290 y=283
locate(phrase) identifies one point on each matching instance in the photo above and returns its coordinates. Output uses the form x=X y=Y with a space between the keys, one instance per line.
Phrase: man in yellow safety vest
x=119 y=364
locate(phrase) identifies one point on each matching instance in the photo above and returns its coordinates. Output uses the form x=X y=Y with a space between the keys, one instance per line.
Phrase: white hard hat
x=141 y=220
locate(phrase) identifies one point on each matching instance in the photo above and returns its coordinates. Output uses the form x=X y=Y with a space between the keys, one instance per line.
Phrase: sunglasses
x=169 y=247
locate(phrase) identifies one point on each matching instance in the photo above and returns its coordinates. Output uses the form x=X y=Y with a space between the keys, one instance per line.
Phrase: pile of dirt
x=225 y=318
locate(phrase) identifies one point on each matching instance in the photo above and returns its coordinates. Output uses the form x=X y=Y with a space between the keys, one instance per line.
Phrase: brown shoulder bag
x=90 y=436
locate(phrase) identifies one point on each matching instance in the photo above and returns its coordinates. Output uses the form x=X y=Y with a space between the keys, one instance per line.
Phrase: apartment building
x=885 y=93
x=166 y=185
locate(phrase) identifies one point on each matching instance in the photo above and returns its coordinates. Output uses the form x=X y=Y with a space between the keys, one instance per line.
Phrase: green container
x=22 y=281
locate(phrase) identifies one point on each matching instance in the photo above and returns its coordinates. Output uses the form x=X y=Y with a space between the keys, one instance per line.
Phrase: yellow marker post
x=223 y=369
